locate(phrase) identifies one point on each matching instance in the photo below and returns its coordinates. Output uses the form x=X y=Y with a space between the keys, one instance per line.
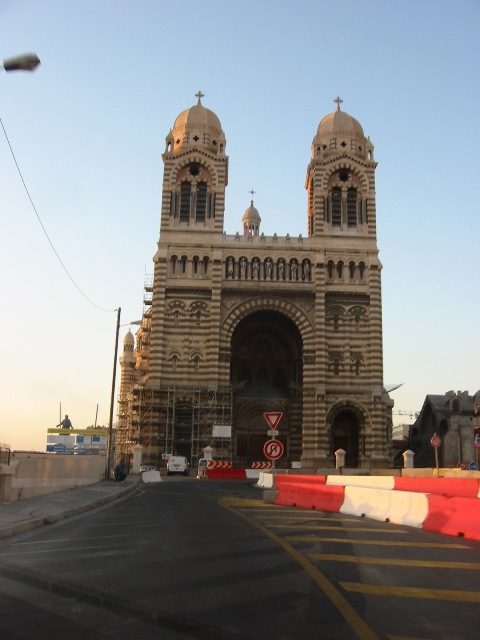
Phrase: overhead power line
x=43 y=227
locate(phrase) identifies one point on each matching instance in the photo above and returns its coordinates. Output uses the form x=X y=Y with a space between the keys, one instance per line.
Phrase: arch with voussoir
x=288 y=309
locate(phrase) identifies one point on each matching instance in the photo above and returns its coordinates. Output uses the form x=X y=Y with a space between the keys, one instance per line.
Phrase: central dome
x=198 y=127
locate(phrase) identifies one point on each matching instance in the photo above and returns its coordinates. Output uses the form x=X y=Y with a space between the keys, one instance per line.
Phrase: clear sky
x=88 y=129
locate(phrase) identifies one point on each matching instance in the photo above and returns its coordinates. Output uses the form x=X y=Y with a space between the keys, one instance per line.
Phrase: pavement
x=23 y=515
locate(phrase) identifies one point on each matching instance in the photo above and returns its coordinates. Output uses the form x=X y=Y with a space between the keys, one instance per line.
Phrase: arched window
x=185 y=192
x=330 y=269
x=352 y=207
x=361 y=270
x=196 y=363
x=184 y=264
x=195 y=265
x=205 y=265
x=351 y=270
x=336 y=207
x=174 y=362
x=201 y=202
x=173 y=263
x=340 y=270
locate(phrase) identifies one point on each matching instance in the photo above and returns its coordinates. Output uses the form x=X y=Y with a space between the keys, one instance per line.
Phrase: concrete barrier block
x=265 y=480
x=151 y=476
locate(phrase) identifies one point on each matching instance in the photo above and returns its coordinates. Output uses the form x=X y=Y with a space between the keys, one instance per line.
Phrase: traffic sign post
x=273 y=449
x=436 y=441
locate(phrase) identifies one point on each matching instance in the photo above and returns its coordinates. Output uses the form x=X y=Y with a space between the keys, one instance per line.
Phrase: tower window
x=185 y=192
x=201 y=202
x=336 y=207
x=352 y=207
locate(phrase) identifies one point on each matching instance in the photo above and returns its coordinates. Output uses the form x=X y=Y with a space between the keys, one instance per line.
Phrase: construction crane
x=412 y=414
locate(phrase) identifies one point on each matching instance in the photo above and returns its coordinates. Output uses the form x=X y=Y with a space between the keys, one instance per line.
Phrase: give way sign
x=273 y=418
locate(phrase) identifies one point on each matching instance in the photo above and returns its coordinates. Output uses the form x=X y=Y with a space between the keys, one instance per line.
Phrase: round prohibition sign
x=273 y=449
x=436 y=441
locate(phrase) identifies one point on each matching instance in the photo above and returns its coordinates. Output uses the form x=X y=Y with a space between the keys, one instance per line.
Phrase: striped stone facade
x=238 y=325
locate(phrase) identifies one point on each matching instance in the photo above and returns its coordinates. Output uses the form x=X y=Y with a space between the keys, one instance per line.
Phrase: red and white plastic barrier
x=445 y=505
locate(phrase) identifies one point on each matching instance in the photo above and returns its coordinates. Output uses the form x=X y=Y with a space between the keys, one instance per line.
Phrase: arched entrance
x=266 y=375
x=345 y=434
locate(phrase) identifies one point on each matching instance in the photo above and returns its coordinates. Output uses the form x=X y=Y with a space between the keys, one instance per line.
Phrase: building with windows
x=454 y=416
x=238 y=325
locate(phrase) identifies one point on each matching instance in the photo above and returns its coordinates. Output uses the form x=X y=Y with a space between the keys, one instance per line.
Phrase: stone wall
x=31 y=474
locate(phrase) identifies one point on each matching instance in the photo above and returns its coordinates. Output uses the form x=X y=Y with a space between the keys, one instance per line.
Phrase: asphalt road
x=186 y=558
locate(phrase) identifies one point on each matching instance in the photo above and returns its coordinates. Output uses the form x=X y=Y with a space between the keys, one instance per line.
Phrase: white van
x=177 y=464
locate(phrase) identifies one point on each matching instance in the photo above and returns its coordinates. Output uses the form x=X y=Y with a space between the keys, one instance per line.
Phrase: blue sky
x=88 y=129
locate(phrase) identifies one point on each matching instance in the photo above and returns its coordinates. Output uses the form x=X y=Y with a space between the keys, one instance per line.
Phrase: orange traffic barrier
x=311 y=495
x=453 y=516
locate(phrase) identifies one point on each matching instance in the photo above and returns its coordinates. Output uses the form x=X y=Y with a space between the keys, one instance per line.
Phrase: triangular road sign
x=273 y=418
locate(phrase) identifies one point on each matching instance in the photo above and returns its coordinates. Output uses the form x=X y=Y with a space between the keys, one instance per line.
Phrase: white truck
x=177 y=464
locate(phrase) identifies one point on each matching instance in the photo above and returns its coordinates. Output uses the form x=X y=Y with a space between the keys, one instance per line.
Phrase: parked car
x=177 y=464
x=147 y=466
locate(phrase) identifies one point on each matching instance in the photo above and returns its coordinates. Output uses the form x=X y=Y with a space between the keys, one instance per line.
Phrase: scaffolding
x=177 y=421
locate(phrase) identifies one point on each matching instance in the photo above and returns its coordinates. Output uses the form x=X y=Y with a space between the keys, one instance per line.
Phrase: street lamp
x=24 y=62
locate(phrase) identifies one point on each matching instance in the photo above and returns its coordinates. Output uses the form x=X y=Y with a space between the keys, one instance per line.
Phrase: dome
x=251 y=216
x=198 y=115
x=340 y=122
x=198 y=127
x=129 y=339
x=340 y=132
x=251 y=221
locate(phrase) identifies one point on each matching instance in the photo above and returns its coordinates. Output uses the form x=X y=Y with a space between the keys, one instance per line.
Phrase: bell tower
x=341 y=212
x=195 y=172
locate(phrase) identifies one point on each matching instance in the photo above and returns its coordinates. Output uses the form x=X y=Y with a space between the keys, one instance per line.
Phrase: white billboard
x=222 y=431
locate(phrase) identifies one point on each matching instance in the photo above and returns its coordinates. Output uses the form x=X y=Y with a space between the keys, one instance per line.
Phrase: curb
x=35 y=523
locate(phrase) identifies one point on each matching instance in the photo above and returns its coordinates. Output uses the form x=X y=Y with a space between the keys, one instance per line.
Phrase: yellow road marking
x=472 y=566
x=405 y=638
x=412 y=592
x=384 y=543
x=319 y=527
x=358 y=625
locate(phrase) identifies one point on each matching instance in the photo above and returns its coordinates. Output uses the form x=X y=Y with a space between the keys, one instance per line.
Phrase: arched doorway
x=345 y=434
x=266 y=375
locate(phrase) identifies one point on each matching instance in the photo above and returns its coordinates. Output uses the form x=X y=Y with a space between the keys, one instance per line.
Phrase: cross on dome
x=199 y=95
x=339 y=101
x=252 y=192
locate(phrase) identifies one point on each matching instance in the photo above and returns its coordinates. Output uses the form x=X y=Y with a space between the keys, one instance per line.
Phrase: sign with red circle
x=273 y=449
x=436 y=441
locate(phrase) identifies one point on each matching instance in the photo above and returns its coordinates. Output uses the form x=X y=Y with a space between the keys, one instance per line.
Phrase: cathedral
x=236 y=326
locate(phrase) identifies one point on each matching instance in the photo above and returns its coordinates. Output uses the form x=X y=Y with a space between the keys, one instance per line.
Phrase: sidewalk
x=23 y=515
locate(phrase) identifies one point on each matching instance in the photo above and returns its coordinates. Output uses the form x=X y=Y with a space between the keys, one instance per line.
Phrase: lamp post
x=24 y=62
x=112 y=396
